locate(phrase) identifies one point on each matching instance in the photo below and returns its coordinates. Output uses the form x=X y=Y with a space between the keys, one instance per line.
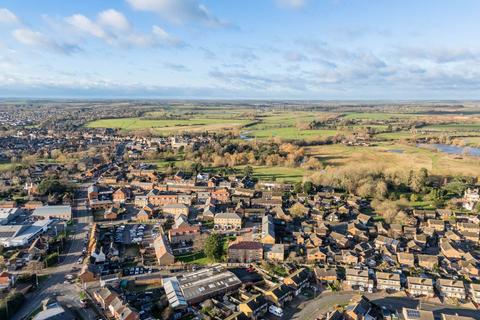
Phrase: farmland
x=169 y=126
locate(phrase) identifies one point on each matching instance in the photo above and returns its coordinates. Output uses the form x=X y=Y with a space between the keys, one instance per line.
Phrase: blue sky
x=236 y=49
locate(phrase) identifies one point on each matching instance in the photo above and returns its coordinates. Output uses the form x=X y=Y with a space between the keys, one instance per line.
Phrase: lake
x=450 y=149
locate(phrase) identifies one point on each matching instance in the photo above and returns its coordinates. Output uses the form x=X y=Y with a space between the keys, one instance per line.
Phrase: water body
x=446 y=148
x=396 y=151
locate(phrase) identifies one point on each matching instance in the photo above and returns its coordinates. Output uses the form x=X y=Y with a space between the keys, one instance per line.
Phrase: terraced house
x=451 y=288
x=420 y=286
x=388 y=281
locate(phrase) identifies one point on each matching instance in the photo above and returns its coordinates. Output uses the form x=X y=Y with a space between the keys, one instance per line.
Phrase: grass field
x=167 y=126
x=394 y=156
x=454 y=127
x=376 y=115
x=291 y=133
x=283 y=174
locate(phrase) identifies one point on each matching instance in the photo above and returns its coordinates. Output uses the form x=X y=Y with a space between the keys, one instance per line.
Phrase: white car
x=80 y=260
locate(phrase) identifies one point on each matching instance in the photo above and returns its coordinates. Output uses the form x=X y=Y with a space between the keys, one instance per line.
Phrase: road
x=311 y=309
x=66 y=293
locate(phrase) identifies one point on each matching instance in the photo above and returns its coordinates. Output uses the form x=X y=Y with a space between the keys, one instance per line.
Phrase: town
x=97 y=223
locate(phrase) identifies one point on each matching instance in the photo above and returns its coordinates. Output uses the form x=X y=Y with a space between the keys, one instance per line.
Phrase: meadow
x=169 y=126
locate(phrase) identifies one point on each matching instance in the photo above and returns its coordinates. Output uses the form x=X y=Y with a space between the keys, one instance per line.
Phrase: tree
x=214 y=247
x=418 y=180
x=248 y=171
x=196 y=168
x=308 y=187
x=51 y=186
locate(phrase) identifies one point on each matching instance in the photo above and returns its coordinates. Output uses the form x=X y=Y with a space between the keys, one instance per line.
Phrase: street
x=66 y=293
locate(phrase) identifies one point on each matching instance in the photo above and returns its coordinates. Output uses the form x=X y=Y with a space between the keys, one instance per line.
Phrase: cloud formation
x=179 y=11
x=8 y=17
x=114 y=28
x=37 y=39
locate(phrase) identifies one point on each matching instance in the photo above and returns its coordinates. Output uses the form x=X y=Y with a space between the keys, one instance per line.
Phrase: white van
x=275 y=311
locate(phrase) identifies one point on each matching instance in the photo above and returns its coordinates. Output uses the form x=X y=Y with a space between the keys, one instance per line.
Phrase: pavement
x=66 y=293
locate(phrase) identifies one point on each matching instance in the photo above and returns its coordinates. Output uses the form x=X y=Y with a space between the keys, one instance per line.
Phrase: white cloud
x=114 y=28
x=33 y=38
x=292 y=3
x=179 y=11
x=84 y=24
x=8 y=17
x=114 y=19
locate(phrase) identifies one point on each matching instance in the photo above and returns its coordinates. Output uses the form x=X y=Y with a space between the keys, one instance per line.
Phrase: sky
x=240 y=49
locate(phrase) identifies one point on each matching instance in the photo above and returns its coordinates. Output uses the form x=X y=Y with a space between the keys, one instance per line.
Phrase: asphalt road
x=310 y=310
x=54 y=286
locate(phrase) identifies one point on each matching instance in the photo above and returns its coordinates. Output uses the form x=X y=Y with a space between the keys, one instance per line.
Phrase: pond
x=450 y=149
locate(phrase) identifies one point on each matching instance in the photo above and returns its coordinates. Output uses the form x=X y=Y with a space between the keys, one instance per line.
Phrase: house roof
x=246 y=245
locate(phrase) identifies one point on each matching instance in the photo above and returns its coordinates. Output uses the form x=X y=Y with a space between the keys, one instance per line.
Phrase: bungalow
x=420 y=286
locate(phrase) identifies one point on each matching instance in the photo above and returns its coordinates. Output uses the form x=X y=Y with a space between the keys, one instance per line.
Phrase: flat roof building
x=207 y=283
x=59 y=212
x=21 y=235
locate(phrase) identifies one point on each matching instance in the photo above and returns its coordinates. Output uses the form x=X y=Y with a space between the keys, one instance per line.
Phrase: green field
x=292 y=133
x=376 y=115
x=453 y=127
x=167 y=126
x=281 y=174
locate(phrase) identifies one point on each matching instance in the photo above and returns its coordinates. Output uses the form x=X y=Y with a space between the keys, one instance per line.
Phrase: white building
x=21 y=235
